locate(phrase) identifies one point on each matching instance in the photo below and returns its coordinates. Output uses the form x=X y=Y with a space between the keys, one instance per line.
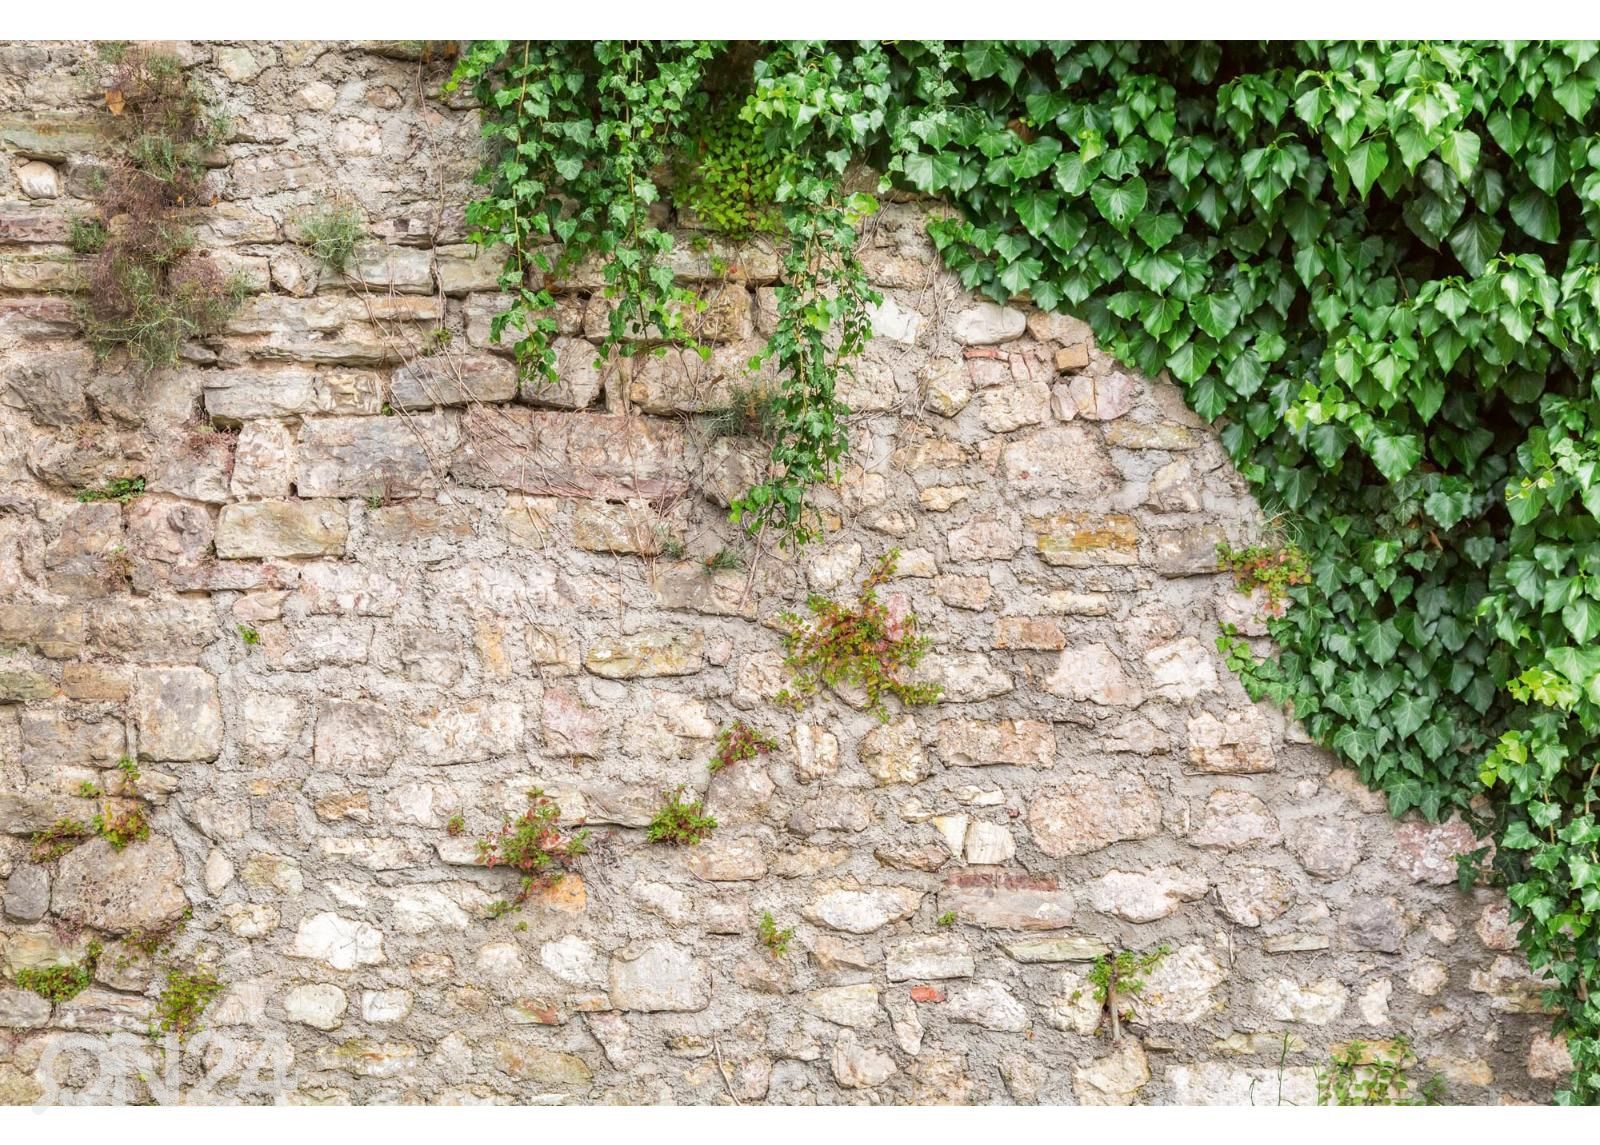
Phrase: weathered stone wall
x=461 y=592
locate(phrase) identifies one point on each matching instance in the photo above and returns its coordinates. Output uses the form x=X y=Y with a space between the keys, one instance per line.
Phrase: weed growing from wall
x=681 y=822
x=865 y=646
x=147 y=289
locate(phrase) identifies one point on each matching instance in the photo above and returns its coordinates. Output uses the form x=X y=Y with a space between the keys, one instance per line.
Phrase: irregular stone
x=646 y=654
x=1238 y=744
x=1426 y=852
x=1219 y=1083
x=321 y=1005
x=657 y=976
x=1029 y=633
x=728 y=860
x=1181 y=988
x=1374 y=1002
x=1374 y=924
x=1548 y=1057
x=980 y=743
x=1115 y=1079
x=1316 y=1003
x=1187 y=552
x=1235 y=819
x=1076 y=539
x=1181 y=670
x=1495 y=929
x=22 y=1009
x=965 y=678
x=863 y=911
x=989 y=843
x=860 y=1067
x=570 y=728
x=468 y=733
x=1144 y=896
x=537 y=1064
x=1092 y=672
x=928 y=957
x=1250 y=896
x=1012 y=407
x=178 y=714
x=385 y=1005
x=1058 y=460
x=816 y=753
x=1066 y=948
x=988 y=324
x=986 y=1003
x=373 y=456
x=355 y=738
x=281 y=529
x=574 y=960
x=1088 y=812
x=27 y=897
x=983 y=539
x=139 y=887
x=452 y=380
x=340 y=943
x=364 y=1057
x=1094 y=398
x=1510 y=986
x=854 y=1006
x=1072 y=1008
x=849 y=811
x=1325 y=849
x=893 y=753
x=1129 y=434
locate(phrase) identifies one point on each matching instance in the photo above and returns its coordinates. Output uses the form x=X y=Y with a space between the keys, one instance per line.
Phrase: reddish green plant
x=1275 y=569
x=534 y=844
x=869 y=646
x=739 y=742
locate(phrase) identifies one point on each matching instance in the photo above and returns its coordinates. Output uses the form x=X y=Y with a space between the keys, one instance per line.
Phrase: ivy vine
x=1375 y=266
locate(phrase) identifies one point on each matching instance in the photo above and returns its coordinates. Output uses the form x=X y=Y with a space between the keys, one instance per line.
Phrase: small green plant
x=438 y=342
x=456 y=825
x=121 y=829
x=333 y=234
x=1375 y=1074
x=776 y=941
x=61 y=983
x=1275 y=568
x=183 y=999
x=1119 y=979
x=500 y=908
x=118 y=489
x=737 y=742
x=534 y=845
x=866 y=646
x=249 y=635
x=58 y=838
x=948 y=918
x=673 y=548
x=87 y=236
x=682 y=823
x=131 y=774
x=723 y=560
x=87 y=789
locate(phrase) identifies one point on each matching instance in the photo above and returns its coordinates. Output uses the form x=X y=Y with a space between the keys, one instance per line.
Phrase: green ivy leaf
x=1120 y=203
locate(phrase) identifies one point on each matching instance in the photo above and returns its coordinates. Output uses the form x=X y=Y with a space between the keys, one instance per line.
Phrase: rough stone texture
x=136 y=888
x=479 y=591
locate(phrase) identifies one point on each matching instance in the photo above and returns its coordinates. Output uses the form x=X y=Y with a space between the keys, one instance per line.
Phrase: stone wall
x=461 y=592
